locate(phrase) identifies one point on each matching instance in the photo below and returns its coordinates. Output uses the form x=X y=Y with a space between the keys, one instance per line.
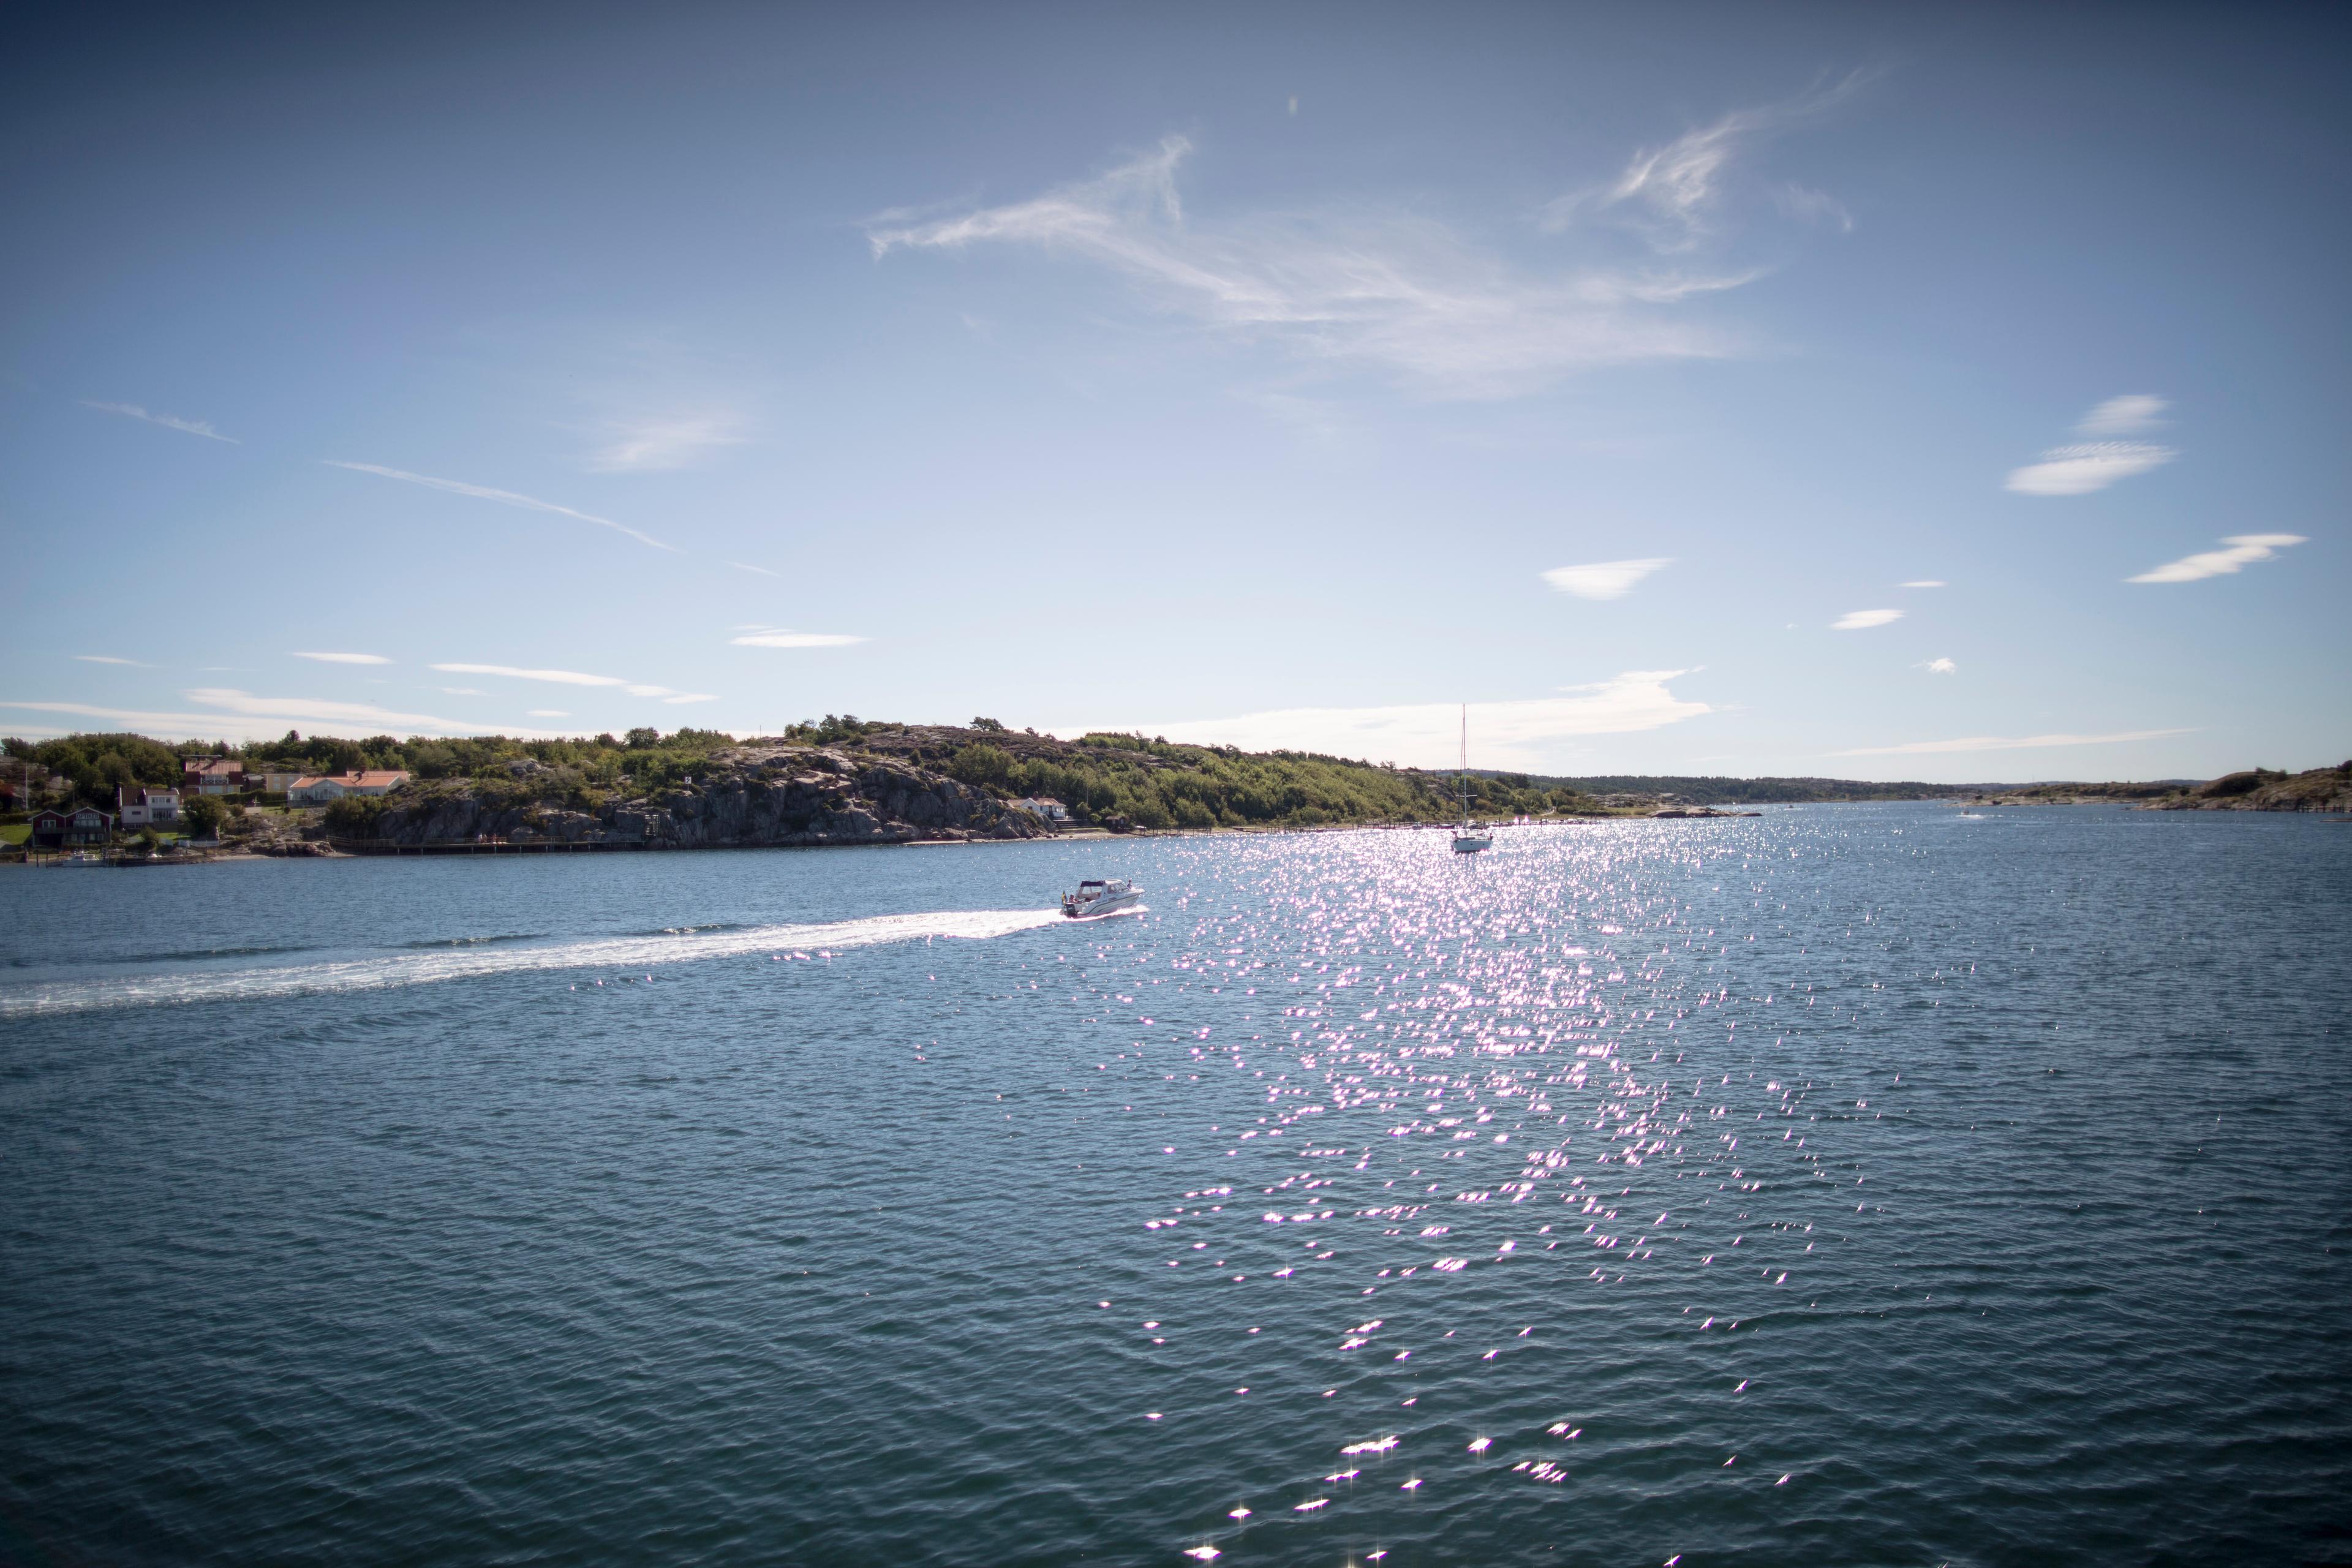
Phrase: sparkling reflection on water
x=1853 y=1185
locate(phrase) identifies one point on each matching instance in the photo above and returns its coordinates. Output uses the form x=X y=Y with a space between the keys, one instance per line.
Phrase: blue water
x=1855 y=1185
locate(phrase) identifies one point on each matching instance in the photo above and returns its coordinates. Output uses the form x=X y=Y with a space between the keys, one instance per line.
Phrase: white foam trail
x=638 y=953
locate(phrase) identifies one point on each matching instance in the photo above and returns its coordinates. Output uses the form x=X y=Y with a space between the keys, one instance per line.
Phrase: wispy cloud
x=747 y=566
x=1862 y=620
x=110 y=659
x=1924 y=582
x=652 y=442
x=505 y=498
x=2091 y=466
x=169 y=422
x=778 y=636
x=242 y=716
x=463 y=691
x=2130 y=414
x=2244 y=550
x=1368 y=288
x=1521 y=733
x=2006 y=743
x=1940 y=667
x=1604 y=579
x=579 y=678
x=1671 y=192
x=549 y=713
x=346 y=657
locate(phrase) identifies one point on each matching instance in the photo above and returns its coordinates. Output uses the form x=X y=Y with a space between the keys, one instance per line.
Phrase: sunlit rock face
x=754 y=795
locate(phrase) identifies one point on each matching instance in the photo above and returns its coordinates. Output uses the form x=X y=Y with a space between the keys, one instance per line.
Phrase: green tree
x=204 y=815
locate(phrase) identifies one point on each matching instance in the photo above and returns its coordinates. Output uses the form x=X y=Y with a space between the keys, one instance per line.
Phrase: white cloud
x=549 y=713
x=2244 y=550
x=1924 y=582
x=2081 y=469
x=747 y=566
x=346 y=657
x=2127 y=416
x=2005 y=743
x=650 y=443
x=1862 y=620
x=777 y=637
x=110 y=659
x=506 y=498
x=1669 y=192
x=1940 y=667
x=463 y=691
x=577 y=678
x=192 y=426
x=1603 y=579
x=1502 y=734
x=1375 y=288
x=240 y=716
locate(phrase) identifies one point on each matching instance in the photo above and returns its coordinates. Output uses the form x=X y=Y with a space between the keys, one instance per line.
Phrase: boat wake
x=406 y=968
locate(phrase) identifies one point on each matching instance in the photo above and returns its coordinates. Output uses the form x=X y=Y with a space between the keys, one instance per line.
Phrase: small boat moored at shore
x=1104 y=897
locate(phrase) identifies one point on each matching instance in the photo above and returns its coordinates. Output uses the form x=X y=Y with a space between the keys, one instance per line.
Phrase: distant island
x=843 y=780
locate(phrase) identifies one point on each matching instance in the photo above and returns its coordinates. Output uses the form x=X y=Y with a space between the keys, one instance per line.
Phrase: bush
x=203 y=814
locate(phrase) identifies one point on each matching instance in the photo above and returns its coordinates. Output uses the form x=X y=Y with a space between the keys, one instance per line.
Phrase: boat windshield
x=1083 y=886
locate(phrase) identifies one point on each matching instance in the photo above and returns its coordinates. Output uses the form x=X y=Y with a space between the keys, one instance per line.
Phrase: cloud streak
x=110 y=659
x=1670 y=192
x=1371 y=288
x=2130 y=414
x=505 y=498
x=2093 y=465
x=2244 y=550
x=654 y=443
x=1522 y=734
x=1862 y=620
x=778 y=636
x=169 y=422
x=2005 y=743
x=241 y=716
x=1604 y=579
x=578 y=678
x=346 y=657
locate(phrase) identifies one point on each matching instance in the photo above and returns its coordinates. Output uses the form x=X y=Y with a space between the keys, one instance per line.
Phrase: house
x=1044 y=805
x=140 y=807
x=312 y=790
x=278 y=781
x=72 y=829
x=212 y=776
x=374 y=781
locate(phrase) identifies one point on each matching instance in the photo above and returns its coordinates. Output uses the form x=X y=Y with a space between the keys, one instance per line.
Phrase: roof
x=213 y=765
x=373 y=777
x=307 y=780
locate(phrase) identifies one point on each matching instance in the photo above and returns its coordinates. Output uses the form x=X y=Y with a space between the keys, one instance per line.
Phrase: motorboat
x=1468 y=838
x=1103 y=898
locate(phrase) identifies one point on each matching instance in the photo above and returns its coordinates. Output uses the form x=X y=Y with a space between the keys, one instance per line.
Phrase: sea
x=1860 y=1184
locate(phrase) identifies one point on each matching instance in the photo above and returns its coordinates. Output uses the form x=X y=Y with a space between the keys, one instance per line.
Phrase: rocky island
x=745 y=796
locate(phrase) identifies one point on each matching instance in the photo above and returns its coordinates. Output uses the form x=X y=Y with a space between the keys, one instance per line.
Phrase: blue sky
x=1281 y=376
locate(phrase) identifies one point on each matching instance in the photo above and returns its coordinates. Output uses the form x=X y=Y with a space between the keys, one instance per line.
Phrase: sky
x=1941 y=393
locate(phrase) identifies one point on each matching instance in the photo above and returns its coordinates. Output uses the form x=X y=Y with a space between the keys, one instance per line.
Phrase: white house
x=311 y=790
x=146 y=807
x=1044 y=805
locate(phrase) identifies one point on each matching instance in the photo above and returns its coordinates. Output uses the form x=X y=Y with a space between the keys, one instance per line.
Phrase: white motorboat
x=1105 y=897
x=1468 y=838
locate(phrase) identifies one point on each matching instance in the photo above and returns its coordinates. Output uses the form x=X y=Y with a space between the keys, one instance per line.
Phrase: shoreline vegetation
x=843 y=780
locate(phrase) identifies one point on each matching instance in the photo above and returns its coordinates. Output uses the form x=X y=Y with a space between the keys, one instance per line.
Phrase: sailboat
x=1467 y=839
